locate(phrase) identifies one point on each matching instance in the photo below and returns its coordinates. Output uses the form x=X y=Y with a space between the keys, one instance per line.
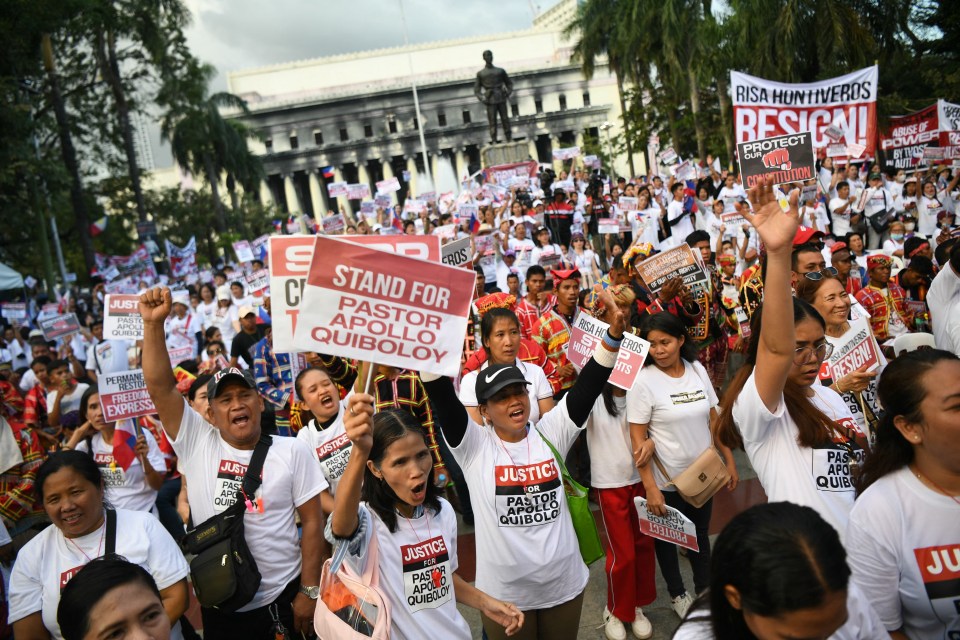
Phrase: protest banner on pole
x=630 y=358
x=358 y=191
x=13 y=310
x=389 y=185
x=183 y=260
x=674 y=527
x=906 y=136
x=785 y=158
x=763 y=108
x=124 y=395
x=586 y=333
x=336 y=189
x=456 y=253
x=679 y=261
x=567 y=153
x=59 y=326
x=382 y=307
x=668 y=156
x=502 y=174
x=243 y=251
x=121 y=319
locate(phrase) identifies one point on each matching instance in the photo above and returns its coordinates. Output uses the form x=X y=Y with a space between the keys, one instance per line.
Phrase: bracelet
x=611 y=342
x=837 y=385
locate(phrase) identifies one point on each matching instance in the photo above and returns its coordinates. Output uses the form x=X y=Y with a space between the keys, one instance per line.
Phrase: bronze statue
x=492 y=88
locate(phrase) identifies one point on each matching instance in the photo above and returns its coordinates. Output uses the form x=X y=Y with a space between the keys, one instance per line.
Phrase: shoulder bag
x=588 y=538
x=881 y=220
x=352 y=606
x=224 y=573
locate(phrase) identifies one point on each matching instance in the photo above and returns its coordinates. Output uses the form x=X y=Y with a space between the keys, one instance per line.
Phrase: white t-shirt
x=815 y=214
x=903 y=542
x=331 y=448
x=527 y=550
x=841 y=220
x=215 y=471
x=862 y=623
x=731 y=196
x=682 y=229
x=417 y=563
x=608 y=438
x=890 y=246
x=538 y=389
x=646 y=226
x=47 y=562
x=817 y=478
x=127 y=489
x=943 y=300
x=677 y=412
x=71 y=401
x=181 y=332
x=108 y=356
x=549 y=257
x=207 y=312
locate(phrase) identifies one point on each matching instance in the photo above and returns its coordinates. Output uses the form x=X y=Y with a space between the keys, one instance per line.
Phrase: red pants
x=631 y=561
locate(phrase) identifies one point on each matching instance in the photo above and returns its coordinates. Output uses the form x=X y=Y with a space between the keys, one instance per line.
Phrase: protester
x=843 y=261
x=791 y=427
x=214 y=458
x=65 y=392
x=111 y=596
x=324 y=433
x=779 y=571
x=584 y=260
x=70 y=487
x=535 y=303
x=884 y=300
x=243 y=343
x=943 y=300
x=226 y=318
x=390 y=471
x=553 y=330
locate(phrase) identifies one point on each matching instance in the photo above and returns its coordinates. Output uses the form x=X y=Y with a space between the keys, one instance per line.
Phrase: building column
x=412 y=170
x=362 y=174
x=316 y=197
x=579 y=142
x=554 y=145
x=340 y=200
x=460 y=166
x=290 y=191
x=266 y=197
x=532 y=148
x=388 y=173
x=434 y=170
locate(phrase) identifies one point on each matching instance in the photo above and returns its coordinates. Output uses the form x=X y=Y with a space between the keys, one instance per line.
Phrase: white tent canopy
x=9 y=279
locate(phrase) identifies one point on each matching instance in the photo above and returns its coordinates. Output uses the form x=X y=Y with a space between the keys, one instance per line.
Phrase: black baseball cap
x=497 y=377
x=230 y=374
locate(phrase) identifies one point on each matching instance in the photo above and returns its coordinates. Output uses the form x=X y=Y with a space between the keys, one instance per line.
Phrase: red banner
x=903 y=141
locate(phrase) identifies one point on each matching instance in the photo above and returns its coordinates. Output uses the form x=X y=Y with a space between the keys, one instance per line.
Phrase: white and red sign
x=585 y=334
x=258 y=282
x=527 y=495
x=334 y=224
x=948 y=115
x=183 y=260
x=628 y=203
x=668 y=156
x=381 y=307
x=906 y=137
x=14 y=310
x=121 y=320
x=674 y=527
x=358 y=191
x=427 y=578
x=124 y=395
x=336 y=189
x=763 y=108
x=179 y=354
x=857 y=348
x=567 y=153
x=630 y=358
x=243 y=250
x=940 y=573
x=389 y=185
x=59 y=326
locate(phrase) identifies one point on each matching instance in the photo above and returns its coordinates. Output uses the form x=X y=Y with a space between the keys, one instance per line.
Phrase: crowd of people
x=319 y=455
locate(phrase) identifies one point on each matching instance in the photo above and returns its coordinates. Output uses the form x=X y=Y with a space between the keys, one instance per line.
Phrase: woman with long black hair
x=904 y=531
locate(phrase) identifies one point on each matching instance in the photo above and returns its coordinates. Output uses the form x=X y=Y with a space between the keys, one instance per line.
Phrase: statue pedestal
x=504 y=153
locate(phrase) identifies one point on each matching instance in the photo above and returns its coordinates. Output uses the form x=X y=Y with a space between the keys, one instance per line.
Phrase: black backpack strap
x=110 y=546
x=254 y=474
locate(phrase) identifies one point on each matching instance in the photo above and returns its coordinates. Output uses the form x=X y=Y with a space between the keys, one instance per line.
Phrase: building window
x=441 y=119
x=343 y=134
x=268 y=143
x=466 y=117
x=294 y=143
x=392 y=126
x=538 y=105
x=563 y=103
x=586 y=98
x=515 y=110
x=367 y=131
x=318 y=138
x=416 y=125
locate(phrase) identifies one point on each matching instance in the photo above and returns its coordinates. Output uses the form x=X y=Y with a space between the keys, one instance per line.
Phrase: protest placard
x=121 y=320
x=674 y=527
x=933 y=153
x=369 y=209
x=14 y=310
x=585 y=334
x=358 y=191
x=385 y=308
x=628 y=203
x=608 y=225
x=679 y=261
x=243 y=251
x=733 y=221
x=566 y=153
x=468 y=210
x=414 y=206
x=179 y=354
x=336 y=189
x=633 y=351
x=258 y=282
x=855 y=150
x=382 y=200
x=259 y=247
x=124 y=395
x=855 y=349
x=110 y=274
x=59 y=326
x=592 y=162
x=668 y=156
x=808 y=194
x=333 y=224
x=456 y=253
x=784 y=158
x=446 y=232
x=30 y=282
x=684 y=171
x=833 y=132
x=389 y=185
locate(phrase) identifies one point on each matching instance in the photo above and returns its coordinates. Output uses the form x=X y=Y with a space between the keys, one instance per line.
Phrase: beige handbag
x=701 y=480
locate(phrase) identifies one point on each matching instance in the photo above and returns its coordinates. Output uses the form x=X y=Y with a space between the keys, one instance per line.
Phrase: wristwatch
x=311 y=592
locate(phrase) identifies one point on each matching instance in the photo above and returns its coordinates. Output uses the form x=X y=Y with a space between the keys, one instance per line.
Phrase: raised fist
x=777 y=159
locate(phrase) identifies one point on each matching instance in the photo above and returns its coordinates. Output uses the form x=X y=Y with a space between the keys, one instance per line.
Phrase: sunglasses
x=214 y=352
x=820 y=275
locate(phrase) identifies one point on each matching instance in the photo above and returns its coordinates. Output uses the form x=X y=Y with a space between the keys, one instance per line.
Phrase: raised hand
x=609 y=311
x=358 y=422
x=776 y=227
x=155 y=305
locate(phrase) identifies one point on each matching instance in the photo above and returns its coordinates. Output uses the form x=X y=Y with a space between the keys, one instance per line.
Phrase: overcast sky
x=241 y=34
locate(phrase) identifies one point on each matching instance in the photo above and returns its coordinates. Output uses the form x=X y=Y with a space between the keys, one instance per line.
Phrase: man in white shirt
x=875 y=202
x=943 y=301
x=680 y=221
x=843 y=215
x=214 y=452
x=65 y=392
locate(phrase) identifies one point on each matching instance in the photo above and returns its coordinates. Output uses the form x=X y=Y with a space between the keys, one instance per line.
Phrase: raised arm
x=157 y=372
x=358 y=425
x=777 y=337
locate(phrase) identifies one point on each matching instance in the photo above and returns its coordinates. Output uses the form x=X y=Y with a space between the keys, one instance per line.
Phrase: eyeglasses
x=820 y=275
x=214 y=352
x=820 y=351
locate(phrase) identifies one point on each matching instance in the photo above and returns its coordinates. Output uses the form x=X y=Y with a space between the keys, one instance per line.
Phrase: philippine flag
x=474 y=223
x=98 y=226
x=262 y=316
x=328 y=172
x=124 y=443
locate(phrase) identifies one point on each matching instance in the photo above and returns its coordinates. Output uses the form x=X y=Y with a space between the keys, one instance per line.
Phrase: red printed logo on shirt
x=334 y=456
x=67 y=576
x=229 y=478
x=427 y=581
x=527 y=495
